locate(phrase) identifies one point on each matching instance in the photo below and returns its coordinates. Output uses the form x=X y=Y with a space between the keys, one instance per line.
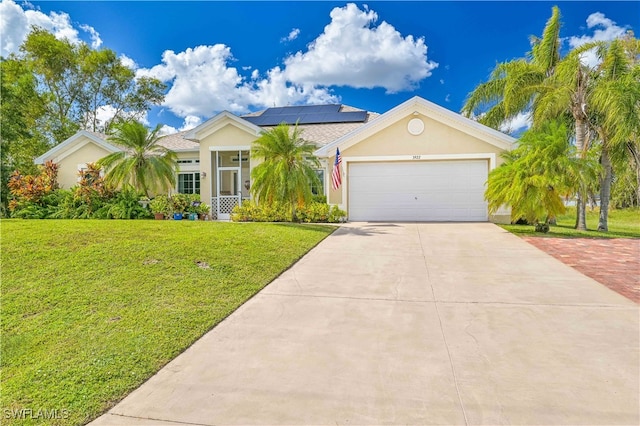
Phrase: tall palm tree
x=143 y=163
x=288 y=168
x=615 y=101
x=513 y=86
x=549 y=86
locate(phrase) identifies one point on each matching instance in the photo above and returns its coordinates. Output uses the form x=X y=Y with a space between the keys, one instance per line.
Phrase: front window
x=189 y=183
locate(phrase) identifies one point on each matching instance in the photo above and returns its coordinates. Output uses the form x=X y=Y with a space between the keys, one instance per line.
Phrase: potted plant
x=160 y=206
x=179 y=204
x=192 y=208
x=203 y=211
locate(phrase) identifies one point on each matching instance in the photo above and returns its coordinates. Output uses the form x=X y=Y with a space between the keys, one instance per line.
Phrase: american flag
x=336 y=178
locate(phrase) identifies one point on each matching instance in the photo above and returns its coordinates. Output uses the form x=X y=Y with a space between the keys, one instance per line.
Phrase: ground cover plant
x=623 y=223
x=91 y=309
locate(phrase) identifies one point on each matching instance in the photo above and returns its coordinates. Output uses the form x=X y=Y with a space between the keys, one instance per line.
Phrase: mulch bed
x=612 y=262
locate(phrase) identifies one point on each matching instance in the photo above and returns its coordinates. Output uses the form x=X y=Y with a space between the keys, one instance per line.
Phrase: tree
x=143 y=163
x=537 y=174
x=77 y=83
x=513 y=86
x=53 y=88
x=615 y=116
x=287 y=170
x=20 y=109
x=550 y=87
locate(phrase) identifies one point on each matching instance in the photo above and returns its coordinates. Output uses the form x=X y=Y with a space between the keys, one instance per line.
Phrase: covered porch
x=230 y=179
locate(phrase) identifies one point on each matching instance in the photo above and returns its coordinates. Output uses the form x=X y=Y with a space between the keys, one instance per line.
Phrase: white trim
x=62 y=147
x=424 y=157
x=421 y=107
x=217 y=122
x=230 y=148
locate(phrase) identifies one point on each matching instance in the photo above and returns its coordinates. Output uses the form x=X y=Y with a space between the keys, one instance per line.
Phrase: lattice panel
x=227 y=204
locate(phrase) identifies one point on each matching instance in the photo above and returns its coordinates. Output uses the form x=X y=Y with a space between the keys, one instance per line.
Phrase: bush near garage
x=314 y=212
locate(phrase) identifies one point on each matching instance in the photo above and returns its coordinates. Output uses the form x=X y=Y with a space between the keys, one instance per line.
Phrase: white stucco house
x=415 y=162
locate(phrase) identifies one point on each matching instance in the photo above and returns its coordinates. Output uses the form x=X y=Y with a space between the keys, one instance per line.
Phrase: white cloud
x=128 y=62
x=96 y=41
x=441 y=81
x=353 y=52
x=16 y=22
x=167 y=130
x=350 y=52
x=202 y=82
x=190 y=122
x=105 y=114
x=520 y=122
x=447 y=98
x=292 y=35
x=605 y=30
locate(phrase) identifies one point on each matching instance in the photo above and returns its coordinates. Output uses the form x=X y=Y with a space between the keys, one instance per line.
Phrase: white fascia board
x=428 y=109
x=66 y=145
x=219 y=121
x=230 y=148
x=195 y=151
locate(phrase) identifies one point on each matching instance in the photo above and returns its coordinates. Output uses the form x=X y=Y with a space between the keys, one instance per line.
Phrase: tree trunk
x=605 y=191
x=581 y=203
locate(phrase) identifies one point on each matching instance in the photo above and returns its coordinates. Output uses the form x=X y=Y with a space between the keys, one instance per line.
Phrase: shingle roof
x=320 y=134
x=177 y=142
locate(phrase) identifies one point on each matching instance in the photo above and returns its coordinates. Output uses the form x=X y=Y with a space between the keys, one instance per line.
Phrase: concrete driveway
x=409 y=324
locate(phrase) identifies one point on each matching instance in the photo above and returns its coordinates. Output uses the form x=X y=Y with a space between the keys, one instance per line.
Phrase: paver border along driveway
x=410 y=324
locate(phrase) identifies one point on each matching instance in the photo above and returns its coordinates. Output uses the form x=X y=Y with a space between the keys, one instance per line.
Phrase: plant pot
x=159 y=216
x=193 y=216
x=202 y=216
x=177 y=216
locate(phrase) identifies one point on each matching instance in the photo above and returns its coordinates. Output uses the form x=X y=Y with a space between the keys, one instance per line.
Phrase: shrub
x=161 y=204
x=180 y=202
x=30 y=190
x=124 y=205
x=249 y=211
x=309 y=213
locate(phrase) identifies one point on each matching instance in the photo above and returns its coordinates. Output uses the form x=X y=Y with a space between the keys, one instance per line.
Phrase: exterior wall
x=437 y=139
x=228 y=135
x=88 y=152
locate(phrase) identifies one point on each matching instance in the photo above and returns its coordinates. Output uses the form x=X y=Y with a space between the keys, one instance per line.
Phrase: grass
x=91 y=309
x=623 y=223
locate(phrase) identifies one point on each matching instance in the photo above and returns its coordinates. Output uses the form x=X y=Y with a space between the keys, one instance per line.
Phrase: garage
x=418 y=191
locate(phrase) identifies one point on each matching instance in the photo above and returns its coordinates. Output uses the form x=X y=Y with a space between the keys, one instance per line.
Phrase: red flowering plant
x=29 y=190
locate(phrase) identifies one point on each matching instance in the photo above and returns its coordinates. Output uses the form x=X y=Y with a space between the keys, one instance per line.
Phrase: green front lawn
x=91 y=309
x=622 y=224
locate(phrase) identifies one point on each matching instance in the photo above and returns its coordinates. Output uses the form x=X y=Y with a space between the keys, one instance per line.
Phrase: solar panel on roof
x=307 y=114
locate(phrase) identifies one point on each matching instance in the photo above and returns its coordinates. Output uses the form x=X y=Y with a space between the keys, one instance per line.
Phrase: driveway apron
x=409 y=324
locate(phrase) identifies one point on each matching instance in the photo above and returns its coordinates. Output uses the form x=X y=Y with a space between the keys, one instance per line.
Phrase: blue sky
x=244 y=56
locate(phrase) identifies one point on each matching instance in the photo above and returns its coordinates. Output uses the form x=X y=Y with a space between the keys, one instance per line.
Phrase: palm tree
x=537 y=174
x=615 y=100
x=513 y=85
x=549 y=86
x=142 y=163
x=287 y=170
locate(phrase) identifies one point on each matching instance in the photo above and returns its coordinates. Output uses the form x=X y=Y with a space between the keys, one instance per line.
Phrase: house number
x=416 y=157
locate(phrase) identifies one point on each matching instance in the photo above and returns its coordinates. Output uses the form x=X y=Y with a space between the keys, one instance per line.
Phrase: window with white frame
x=189 y=183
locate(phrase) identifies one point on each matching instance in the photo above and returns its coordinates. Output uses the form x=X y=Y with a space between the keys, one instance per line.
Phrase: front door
x=228 y=183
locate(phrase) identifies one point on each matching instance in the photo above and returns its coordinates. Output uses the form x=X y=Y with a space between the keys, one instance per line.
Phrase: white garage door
x=418 y=191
